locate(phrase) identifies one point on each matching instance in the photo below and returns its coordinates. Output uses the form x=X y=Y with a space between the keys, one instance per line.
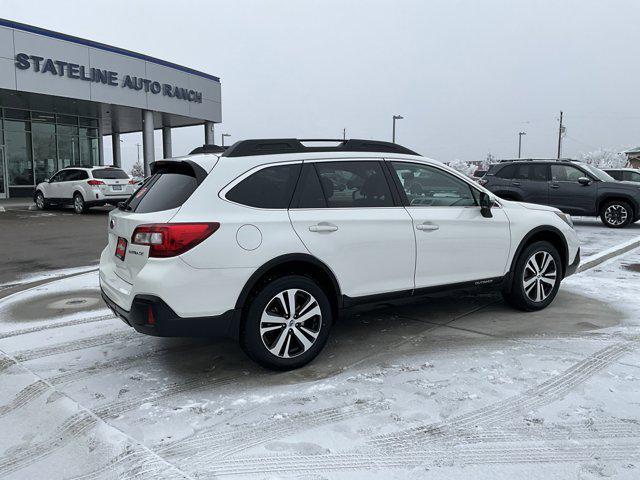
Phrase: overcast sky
x=466 y=75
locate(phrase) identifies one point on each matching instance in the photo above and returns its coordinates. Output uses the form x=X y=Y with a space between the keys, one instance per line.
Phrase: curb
x=598 y=258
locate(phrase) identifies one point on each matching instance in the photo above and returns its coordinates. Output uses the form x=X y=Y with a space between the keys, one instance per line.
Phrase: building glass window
x=37 y=144
x=18 y=152
x=68 y=151
x=44 y=150
x=88 y=146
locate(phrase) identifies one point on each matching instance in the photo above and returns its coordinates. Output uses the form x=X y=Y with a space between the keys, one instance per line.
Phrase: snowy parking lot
x=456 y=386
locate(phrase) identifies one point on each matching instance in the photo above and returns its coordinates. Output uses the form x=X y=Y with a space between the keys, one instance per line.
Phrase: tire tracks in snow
x=488 y=454
x=542 y=394
x=210 y=443
x=77 y=321
x=40 y=387
x=419 y=445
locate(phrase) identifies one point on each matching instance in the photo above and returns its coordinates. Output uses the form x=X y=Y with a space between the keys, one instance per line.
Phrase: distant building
x=633 y=156
x=60 y=95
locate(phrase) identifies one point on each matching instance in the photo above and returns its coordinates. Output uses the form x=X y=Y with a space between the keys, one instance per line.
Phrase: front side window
x=59 y=177
x=429 y=186
x=632 y=176
x=271 y=187
x=615 y=174
x=566 y=173
x=354 y=184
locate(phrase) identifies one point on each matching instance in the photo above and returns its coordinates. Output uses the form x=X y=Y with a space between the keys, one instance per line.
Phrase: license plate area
x=121 y=248
x=116 y=187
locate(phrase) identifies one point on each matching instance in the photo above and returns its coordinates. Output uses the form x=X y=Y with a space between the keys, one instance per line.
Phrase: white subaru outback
x=269 y=241
x=83 y=188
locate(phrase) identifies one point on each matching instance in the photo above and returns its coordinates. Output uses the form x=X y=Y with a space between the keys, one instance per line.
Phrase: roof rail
x=275 y=146
x=506 y=160
x=207 y=149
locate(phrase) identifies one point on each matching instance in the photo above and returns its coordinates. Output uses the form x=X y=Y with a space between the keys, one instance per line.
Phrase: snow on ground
x=458 y=386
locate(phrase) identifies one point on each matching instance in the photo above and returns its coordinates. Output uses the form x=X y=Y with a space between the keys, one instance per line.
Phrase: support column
x=148 y=152
x=100 y=144
x=208 y=133
x=115 y=147
x=166 y=142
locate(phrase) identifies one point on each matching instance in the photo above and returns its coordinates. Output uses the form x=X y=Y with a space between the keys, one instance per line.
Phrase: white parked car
x=268 y=242
x=84 y=187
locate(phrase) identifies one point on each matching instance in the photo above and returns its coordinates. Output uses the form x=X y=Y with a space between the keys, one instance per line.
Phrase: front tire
x=536 y=278
x=287 y=323
x=616 y=214
x=79 y=205
x=41 y=203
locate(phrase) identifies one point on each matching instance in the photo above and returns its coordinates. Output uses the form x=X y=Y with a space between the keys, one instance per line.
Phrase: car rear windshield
x=166 y=189
x=110 y=174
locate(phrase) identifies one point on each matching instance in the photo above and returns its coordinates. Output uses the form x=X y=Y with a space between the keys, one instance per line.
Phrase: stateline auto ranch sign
x=106 y=77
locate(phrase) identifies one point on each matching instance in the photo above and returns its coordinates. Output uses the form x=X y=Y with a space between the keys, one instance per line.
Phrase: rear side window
x=165 y=190
x=110 y=174
x=76 y=175
x=615 y=174
x=506 y=172
x=310 y=194
x=354 y=184
x=533 y=172
x=271 y=187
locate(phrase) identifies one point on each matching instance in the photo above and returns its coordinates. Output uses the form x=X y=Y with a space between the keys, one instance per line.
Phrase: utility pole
x=344 y=134
x=395 y=117
x=520 y=134
x=560 y=132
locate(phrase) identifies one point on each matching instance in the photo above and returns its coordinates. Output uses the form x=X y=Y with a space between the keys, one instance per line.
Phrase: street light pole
x=395 y=117
x=224 y=135
x=520 y=134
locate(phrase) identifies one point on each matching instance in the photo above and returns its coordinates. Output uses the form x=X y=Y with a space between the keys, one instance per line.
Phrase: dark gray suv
x=573 y=187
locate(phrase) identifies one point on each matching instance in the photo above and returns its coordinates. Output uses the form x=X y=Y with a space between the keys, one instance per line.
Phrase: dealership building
x=60 y=95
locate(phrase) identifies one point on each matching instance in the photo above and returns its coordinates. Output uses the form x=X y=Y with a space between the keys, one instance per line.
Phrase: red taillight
x=95 y=183
x=132 y=182
x=172 y=239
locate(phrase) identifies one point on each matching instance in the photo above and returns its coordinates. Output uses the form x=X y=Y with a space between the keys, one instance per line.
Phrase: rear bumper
x=571 y=269
x=152 y=316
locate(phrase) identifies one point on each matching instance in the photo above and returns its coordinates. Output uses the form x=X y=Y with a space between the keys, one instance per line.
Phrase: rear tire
x=536 y=278
x=616 y=214
x=79 y=205
x=287 y=323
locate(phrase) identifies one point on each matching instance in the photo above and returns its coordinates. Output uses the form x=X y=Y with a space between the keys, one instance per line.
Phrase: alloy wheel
x=290 y=323
x=615 y=214
x=78 y=204
x=40 y=201
x=540 y=276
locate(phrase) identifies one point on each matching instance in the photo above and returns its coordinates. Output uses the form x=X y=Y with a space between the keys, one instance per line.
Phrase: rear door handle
x=555 y=185
x=427 y=227
x=323 y=227
x=515 y=184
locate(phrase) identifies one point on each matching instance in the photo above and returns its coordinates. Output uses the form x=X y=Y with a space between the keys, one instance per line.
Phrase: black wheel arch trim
x=525 y=240
x=282 y=260
x=609 y=197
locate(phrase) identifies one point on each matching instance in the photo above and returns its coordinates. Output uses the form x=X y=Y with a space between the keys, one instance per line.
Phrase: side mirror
x=584 y=181
x=485 y=205
x=48 y=180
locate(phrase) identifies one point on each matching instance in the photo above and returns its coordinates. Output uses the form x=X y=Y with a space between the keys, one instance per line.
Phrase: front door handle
x=555 y=185
x=427 y=227
x=323 y=227
x=515 y=184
